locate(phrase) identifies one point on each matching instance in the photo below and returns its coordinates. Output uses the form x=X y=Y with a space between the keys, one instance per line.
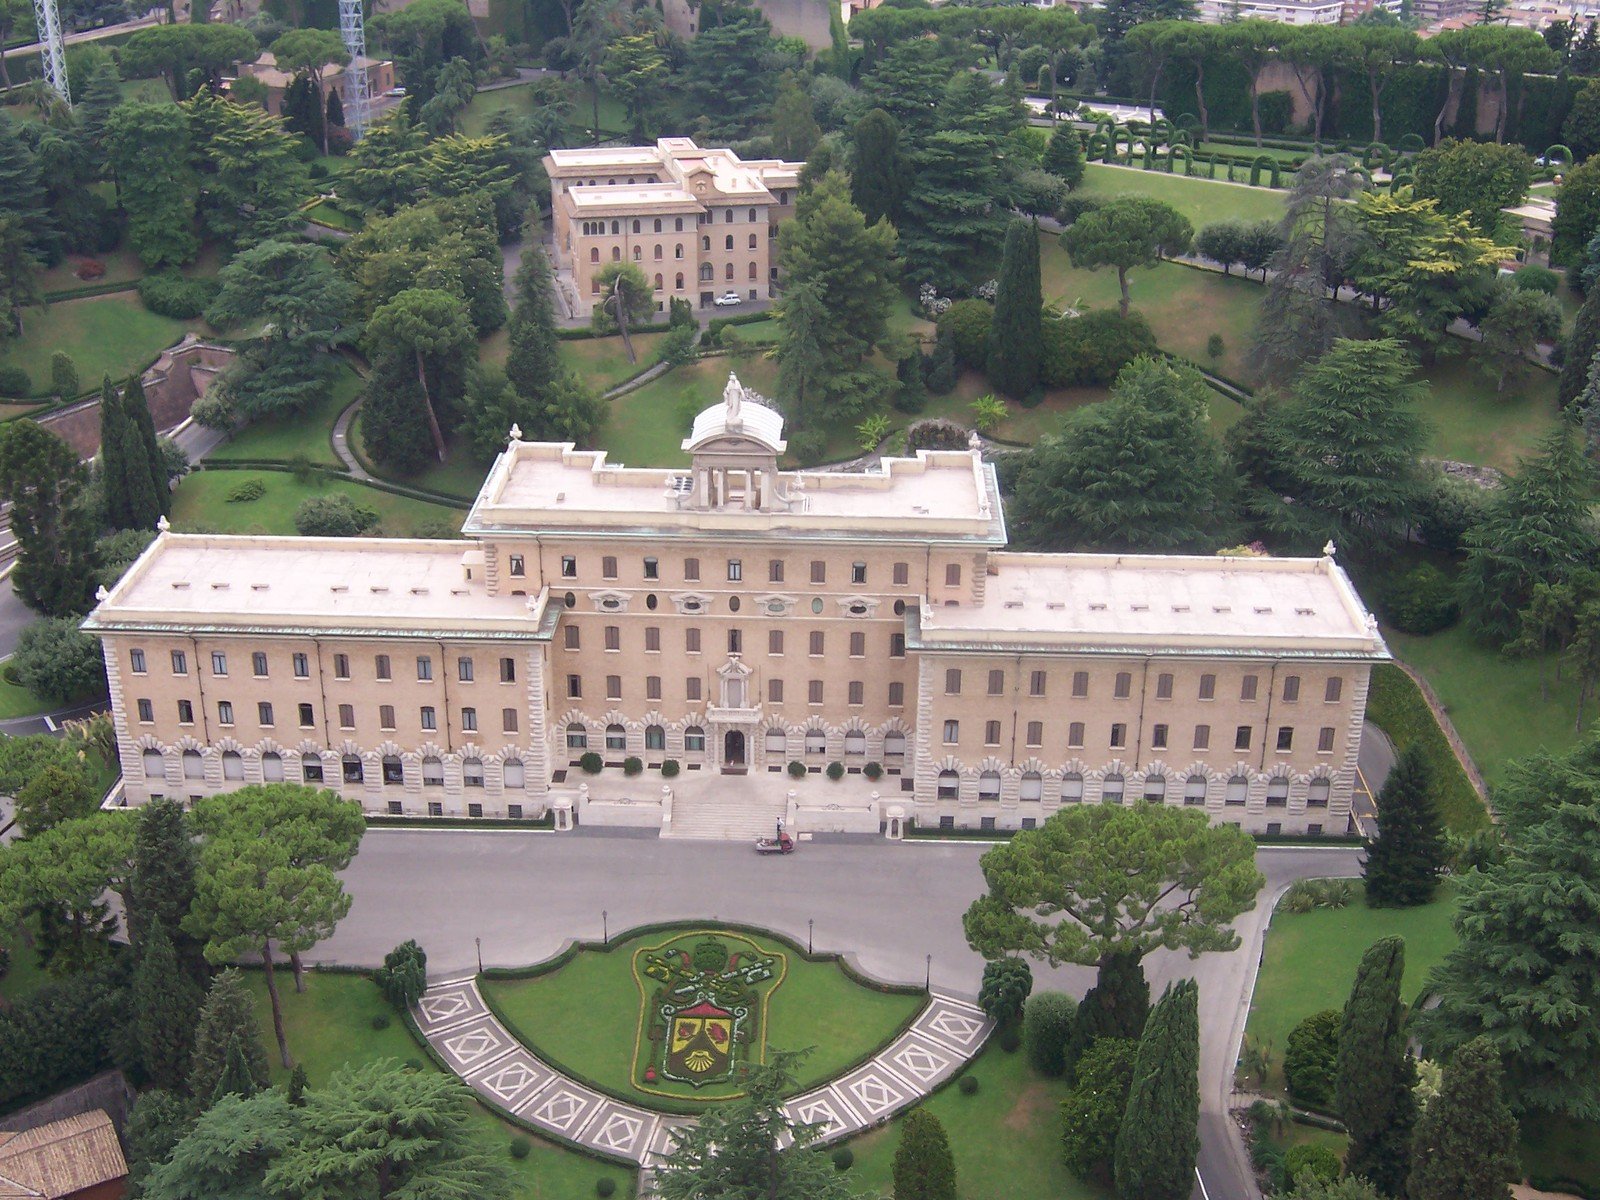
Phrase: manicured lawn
x=1310 y=961
x=815 y=1005
x=304 y=435
x=202 y=505
x=602 y=363
x=1396 y=705
x=18 y=701
x=122 y=266
x=329 y=213
x=1558 y=1151
x=330 y=1026
x=1203 y=201
x=1471 y=423
x=1006 y=1137
x=106 y=335
x=459 y=475
x=646 y=427
x=475 y=121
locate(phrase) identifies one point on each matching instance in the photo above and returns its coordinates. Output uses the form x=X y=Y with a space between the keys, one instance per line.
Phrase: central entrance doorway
x=733 y=756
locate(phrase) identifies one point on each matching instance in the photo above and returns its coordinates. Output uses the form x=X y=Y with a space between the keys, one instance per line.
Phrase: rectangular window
x=857 y=692
x=308 y=718
x=1119 y=735
x=508 y=670
x=311 y=770
x=572 y=638
x=1164 y=686
x=691 y=688
x=1241 y=738
x=347 y=716
x=735 y=641
x=652 y=687
x=258 y=665
x=814 y=692
x=219 y=663
x=858 y=645
x=774 y=641
x=508 y=720
x=1285 y=738
x=1035 y=733
x=952 y=682
x=902 y=574
x=1124 y=686
x=1080 y=685
x=1325 y=737
x=1158 y=737
x=469 y=720
x=436 y=808
x=1208 y=687
x=225 y=712
x=1291 y=688
x=1247 y=687
x=897 y=645
x=147 y=712
x=464 y=670
x=608 y=567
x=775 y=570
x=424 y=668
x=691 y=641
x=652 y=639
x=518 y=566
x=186 y=712
x=815 y=644
x=1075 y=735
x=997 y=683
x=819 y=571
x=1333 y=690
x=574 y=687
x=385 y=716
x=1202 y=737
x=952 y=575
x=735 y=570
x=341 y=666
x=1036 y=680
x=613 y=637
x=569 y=567
x=430 y=718
x=858 y=572
x=897 y=695
x=180 y=662
x=381 y=666
x=952 y=732
x=991 y=733
x=613 y=687
x=475 y=810
x=652 y=568
x=136 y=661
x=691 y=570
x=775 y=691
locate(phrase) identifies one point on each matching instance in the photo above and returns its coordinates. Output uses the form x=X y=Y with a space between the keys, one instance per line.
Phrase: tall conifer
x=114 y=443
x=166 y=1003
x=1466 y=1141
x=1159 y=1141
x=162 y=883
x=531 y=364
x=1015 y=337
x=1374 y=1074
x=1403 y=865
x=137 y=409
x=1063 y=154
x=924 y=1168
x=226 y=1017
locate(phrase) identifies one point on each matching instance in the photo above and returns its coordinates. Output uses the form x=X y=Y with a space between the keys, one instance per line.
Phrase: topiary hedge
x=169 y=294
x=591 y=763
x=1396 y=705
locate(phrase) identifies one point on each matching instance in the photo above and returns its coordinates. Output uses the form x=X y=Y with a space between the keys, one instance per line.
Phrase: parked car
x=728 y=299
x=396 y=92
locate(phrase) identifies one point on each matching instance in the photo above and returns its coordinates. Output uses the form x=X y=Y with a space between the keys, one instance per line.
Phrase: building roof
x=699 y=174
x=360 y=587
x=741 y=414
x=266 y=69
x=61 y=1158
x=1120 y=603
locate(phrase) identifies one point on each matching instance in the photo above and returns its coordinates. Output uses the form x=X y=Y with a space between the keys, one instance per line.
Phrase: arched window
x=894 y=745
x=705 y=272
x=752 y=271
x=677 y=251
x=1032 y=787
x=752 y=241
x=728 y=273
x=1111 y=789
x=655 y=737
x=155 y=765
x=705 y=243
x=638 y=253
x=1238 y=789
x=513 y=774
x=727 y=242
x=272 y=767
x=635 y=225
x=1155 y=788
x=1194 y=790
x=594 y=287
x=658 y=252
x=677 y=283
x=472 y=772
x=594 y=254
x=1277 y=792
x=616 y=737
x=727 y=216
x=855 y=742
x=393 y=771
x=353 y=772
x=577 y=737
x=616 y=253
x=232 y=765
x=816 y=741
x=1317 y=793
x=677 y=227
x=193 y=766
x=432 y=772
x=694 y=740
x=616 y=227
x=949 y=785
x=658 y=225
x=1072 y=788
x=989 y=785
x=752 y=216
x=660 y=283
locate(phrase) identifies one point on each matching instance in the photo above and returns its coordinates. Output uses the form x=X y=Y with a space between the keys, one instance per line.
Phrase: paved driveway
x=890 y=907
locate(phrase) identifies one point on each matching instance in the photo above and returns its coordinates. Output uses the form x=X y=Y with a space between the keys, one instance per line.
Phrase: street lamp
x=927 y=983
x=809 y=924
x=479 y=942
x=605 y=928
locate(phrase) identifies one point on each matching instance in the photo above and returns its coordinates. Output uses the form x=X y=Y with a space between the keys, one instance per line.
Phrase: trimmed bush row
x=1396 y=705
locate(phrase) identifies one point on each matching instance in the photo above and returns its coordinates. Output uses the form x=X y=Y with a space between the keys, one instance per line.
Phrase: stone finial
x=1327 y=550
x=162 y=524
x=101 y=594
x=974 y=441
x=515 y=435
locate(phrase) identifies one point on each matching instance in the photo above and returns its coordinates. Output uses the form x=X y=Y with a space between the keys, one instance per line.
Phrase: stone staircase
x=738 y=817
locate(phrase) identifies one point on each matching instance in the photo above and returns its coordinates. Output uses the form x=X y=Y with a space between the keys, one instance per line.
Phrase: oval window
x=816 y=605
x=650 y=602
x=858 y=609
x=775 y=608
x=611 y=604
x=570 y=600
x=733 y=604
x=899 y=608
x=691 y=606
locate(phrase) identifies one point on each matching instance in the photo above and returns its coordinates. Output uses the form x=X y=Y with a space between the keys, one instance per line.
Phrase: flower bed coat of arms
x=704 y=1000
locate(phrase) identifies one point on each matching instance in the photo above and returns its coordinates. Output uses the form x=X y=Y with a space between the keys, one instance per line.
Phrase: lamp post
x=605 y=928
x=927 y=982
x=478 y=941
x=809 y=923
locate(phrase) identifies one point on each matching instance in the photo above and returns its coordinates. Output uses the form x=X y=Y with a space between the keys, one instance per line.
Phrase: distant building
x=699 y=223
x=380 y=78
x=1285 y=12
x=78 y=1158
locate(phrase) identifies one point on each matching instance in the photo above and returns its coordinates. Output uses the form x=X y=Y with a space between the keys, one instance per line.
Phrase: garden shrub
x=1277 y=110
x=797 y=769
x=333 y=516
x=809 y=446
x=936 y=433
x=380 y=1021
x=843 y=1158
x=14 y=381
x=1215 y=346
x=1320 y=1161
x=605 y=1187
x=64 y=375
x=632 y=765
x=1091 y=350
x=1075 y=206
x=1396 y=706
x=1309 y=1058
x=250 y=489
x=168 y=294
x=1268 y=1160
x=404 y=975
x=520 y=1148
x=59 y=662
x=1010 y=1039
x=591 y=763
x=61 y=1034
x=939 y=373
x=91 y=269
x=1422 y=601
x=836 y=771
x=968 y=1085
x=1535 y=278
x=965 y=326
x=669 y=769
x=1449 y=508
x=872 y=771
x=1046 y=1024
x=5 y=961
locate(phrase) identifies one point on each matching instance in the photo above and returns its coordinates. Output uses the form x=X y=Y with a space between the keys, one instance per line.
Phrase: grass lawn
x=1203 y=201
x=201 y=504
x=18 y=701
x=602 y=363
x=1470 y=423
x=304 y=435
x=122 y=266
x=330 y=1025
x=106 y=335
x=646 y=427
x=475 y=121
x=1006 y=1137
x=332 y=215
x=459 y=475
x=1481 y=687
x=1310 y=961
x=815 y=1005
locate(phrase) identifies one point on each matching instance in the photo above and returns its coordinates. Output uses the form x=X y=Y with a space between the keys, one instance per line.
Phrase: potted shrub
x=669 y=768
x=872 y=771
x=591 y=763
x=797 y=769
x=632 y=765
x=836 y=771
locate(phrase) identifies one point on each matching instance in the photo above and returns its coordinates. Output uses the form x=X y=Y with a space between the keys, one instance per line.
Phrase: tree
x=333 y=111
x=128 y=481
x=12 y=14
x=1473 y=179
x=19 y=274
x=165 y=1004
x=226 y=1154
x=1577 y=365
x=173 y=51
x=62 y=874
x=737 y=1148
x=1402 y=867
x=227 y=1026
x=1374 y=1075
x=532 y=363
x=162 y=881
x=1535 y=530
x=794 y=123
x=149 y=154
x=924 y=1168
x=383 y=1130
x=1222 y=242
x=877 y=167
x=1378 y=51
x=1517 y=321
x=43 y=481
x=58 y=662
x=63 y=375
x=387 y=166
x=428 y=329
x=626 y=300
x=1127 y=232
x=252 y=184
x=564 y=411
x=1117 y=1006
x=1014 y=338
x=1310 y=1187
x=1063 y=155
x=1047 y=1021
x=1466 y=1141
x=1310 y=1059
x=1580 y=132
x=636 y=69
x=1140 y=471
x=404 y=975
x=1577 y=213
x=156 y=1124
x=453 y=90
x=1127 y=880
x=305 y=53
x=333 y=516
x=1092 y=1112
x=1158 y=1142
x=1006 y=984
x=727 y=73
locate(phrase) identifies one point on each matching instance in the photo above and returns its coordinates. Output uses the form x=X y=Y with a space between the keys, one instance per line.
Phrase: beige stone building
x=734 y=620
x=380 y=78
x=699 y=223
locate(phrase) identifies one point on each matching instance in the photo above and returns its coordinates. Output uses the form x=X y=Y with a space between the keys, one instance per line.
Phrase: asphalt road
x=1373 y=765
x=894 y=909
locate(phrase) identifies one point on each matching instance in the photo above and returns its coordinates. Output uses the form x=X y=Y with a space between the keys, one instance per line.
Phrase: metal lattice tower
x=357 y=96
x=53 y=55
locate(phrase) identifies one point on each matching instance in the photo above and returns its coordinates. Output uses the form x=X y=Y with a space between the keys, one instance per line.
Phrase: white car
x=728 y=300
x=396 y=92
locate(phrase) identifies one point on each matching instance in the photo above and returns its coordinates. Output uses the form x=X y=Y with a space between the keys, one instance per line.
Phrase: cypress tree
x=162 y=882
x=1063 y=154
x=115 y=438
x=226 y=1017
x=877 y=167
x=531 y=363
x=1581 y=347
x=335 y=109
x=1374 y=1075
x=236 y=1079
x=138 y=413
x=1466 y=1141
x=165 y=1004
x=1159 y=1140
x=1015 y=337
x=1402 y=867
x=924 y=1168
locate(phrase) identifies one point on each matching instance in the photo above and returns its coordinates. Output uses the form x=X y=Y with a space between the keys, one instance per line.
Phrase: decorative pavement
x=459 y=1026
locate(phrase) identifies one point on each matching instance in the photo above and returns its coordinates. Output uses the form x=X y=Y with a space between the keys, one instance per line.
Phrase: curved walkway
x=457 y=1023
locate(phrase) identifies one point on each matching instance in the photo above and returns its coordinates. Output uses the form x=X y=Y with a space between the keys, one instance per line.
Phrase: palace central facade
x=735 y=618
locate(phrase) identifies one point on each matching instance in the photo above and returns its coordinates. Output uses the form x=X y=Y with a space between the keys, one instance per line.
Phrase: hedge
x=60 y=1035
x=584 y=333
x=1396 y=705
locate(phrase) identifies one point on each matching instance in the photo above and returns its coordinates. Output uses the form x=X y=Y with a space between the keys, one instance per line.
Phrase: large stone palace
x=736 y=619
